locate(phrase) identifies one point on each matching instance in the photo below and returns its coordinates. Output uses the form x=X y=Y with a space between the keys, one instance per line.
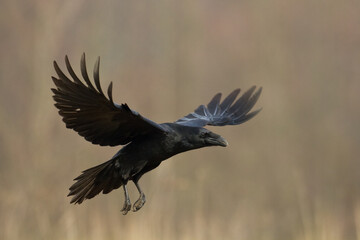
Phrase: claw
x=126 y=208
x=139 y=203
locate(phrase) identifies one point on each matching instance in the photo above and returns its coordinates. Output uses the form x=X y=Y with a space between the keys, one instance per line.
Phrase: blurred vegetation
x=290 y=173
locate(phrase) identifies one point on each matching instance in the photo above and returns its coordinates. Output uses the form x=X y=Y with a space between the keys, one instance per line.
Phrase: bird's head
x=212 y=139
x=206 y=138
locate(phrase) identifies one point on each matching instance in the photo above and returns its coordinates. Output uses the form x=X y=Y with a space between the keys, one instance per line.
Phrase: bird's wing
x=227 y=112
x=94 y=116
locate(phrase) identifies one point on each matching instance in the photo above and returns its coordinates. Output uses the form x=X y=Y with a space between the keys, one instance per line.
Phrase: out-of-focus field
x=292 y=172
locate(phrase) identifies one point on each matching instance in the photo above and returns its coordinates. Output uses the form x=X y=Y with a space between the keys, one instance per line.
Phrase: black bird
x=86 y=109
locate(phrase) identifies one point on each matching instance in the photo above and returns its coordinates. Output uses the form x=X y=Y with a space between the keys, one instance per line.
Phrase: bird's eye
x=204 y=134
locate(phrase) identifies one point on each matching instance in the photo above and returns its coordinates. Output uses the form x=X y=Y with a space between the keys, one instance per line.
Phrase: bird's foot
x=139 y=203
x=126 y=208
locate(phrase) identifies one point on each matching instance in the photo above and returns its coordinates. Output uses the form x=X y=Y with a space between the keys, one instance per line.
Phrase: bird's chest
x=150 y=150
x=154 y=150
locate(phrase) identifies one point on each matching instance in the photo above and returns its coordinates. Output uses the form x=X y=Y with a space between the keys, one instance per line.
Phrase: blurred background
x=292 y=172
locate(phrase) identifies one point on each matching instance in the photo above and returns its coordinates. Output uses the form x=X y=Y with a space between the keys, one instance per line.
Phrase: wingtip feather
x=110 y=93
x=84 y=72
x=213 y=105
x=72 y=72
x=97 y=75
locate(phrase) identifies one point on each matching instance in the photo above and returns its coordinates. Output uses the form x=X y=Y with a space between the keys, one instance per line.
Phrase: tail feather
x=104 y=177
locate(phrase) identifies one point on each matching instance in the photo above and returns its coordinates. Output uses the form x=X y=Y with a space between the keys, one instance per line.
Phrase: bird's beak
x=218 y=141
x=222 y=142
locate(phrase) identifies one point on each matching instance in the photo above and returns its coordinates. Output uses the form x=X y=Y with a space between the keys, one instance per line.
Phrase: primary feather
x=225 y=113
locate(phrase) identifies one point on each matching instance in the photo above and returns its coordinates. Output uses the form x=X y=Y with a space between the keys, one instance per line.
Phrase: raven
x=86 y=109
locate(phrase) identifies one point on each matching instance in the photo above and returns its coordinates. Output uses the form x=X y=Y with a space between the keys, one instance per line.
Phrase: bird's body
x=150 y=151
x=85 y=109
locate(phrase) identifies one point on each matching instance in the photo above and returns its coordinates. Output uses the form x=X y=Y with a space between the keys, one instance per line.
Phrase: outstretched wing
x=227 y=112
x=89 y=112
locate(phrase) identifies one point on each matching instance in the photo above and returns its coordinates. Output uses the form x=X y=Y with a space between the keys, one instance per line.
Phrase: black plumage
x=86 y=109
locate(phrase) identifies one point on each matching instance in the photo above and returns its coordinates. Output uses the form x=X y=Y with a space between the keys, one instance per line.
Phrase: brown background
x=290 y=173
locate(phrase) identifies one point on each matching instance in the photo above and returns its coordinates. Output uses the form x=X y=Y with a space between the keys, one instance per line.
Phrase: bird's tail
x=104 y=177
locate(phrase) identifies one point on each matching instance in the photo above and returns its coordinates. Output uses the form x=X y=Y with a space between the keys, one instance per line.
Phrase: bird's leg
x=141 y=201
x=127 y=203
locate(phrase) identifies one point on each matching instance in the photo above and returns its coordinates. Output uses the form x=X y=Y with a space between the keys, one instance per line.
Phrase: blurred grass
x=290 y=173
